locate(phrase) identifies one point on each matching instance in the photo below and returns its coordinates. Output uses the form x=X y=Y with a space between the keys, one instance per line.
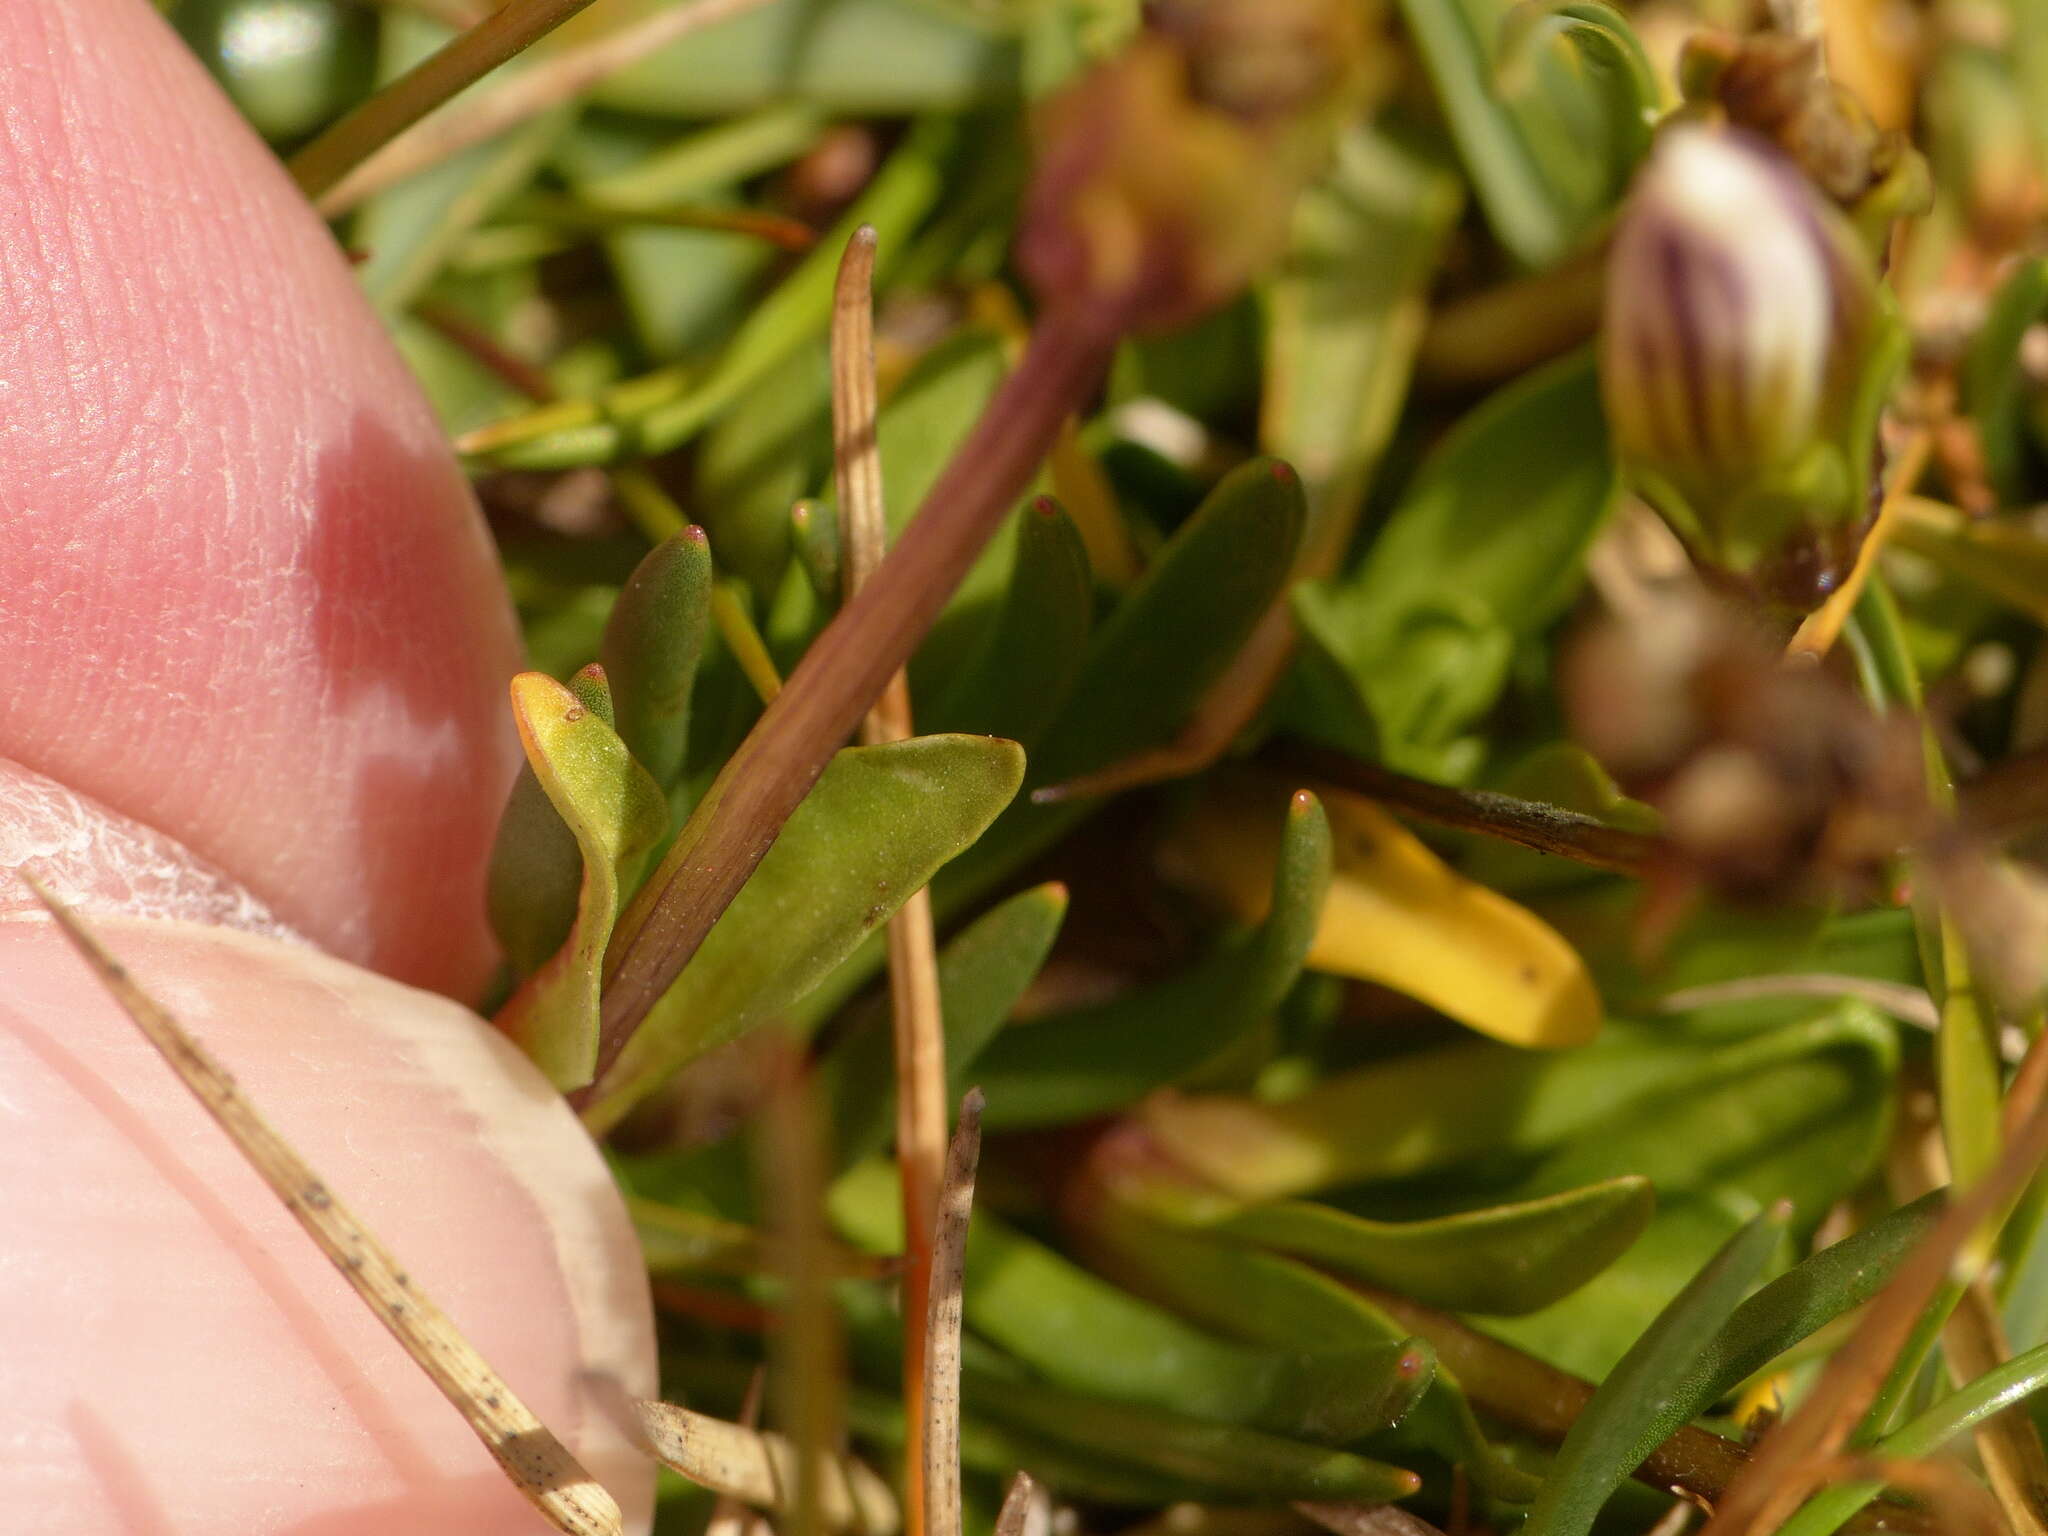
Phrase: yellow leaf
x=1398 y=915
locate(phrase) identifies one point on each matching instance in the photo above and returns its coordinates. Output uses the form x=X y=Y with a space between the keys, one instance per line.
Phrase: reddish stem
x=843 y=672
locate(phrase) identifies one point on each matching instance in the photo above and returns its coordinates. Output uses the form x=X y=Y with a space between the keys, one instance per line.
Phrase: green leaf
x=1800 y=1123
x=1021 y=671
x=1182 y=624
x=411 y=230
x=464 y=393
x=1486 y=546
x=1097 y=1059
x=850 y=57
x=925 y=420
x=1085 y=1335
x=536 y=873
x=1806 y=1127
x=1613 y=1434
x=1618 y=67
x=1344 y=316
x=1263 y=1298
x=894 y=202
x=763 y=456
x=678 y=1240
x=2004 y=555
x=683 y=289
x=1473 y=1104
x=1504 y=1259
x=652 y=644
x=982 y=973
x=615 y=813
x=661 y=411
x=814 y=539
x=1998 y=1389
x=876 y=826
x=1000 y=1451
x=1502 y=513
x=1233 y=1461
x=1721 y=943
x=1549 y=132
x=1444 y=669
x=1994 y=384
x=1798 y=1303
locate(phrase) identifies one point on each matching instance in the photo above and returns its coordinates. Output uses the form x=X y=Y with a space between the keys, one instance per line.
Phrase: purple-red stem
x=843 y=672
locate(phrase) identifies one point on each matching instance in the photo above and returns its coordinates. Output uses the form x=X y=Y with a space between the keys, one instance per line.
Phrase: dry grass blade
x=1026 y=1511
x=466 y=59
x=942 y=1331
x=1957 y=1503
x=402 y=150
x=913 y=950
x=731 y=1516
x=1818 y=632
x=844 y=671
x=2008 y=1444
x=1907 y=1004
x=1794 y=1457
x=856 y=457
x=759 y=1469
x=539 y=1465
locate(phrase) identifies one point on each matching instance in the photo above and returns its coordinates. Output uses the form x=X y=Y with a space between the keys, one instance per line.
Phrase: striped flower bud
x=1738 y=326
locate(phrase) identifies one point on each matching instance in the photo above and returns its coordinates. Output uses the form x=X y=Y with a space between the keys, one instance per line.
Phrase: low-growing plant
x=1282 y=757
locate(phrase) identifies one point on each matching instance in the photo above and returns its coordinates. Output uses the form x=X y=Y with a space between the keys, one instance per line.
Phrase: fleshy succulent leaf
x=875 y=828
x=615 y=813
x=1091 y=1060
x=652 y=645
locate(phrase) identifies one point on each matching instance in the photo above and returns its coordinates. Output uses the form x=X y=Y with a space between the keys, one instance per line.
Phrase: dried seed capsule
x=1166 y=175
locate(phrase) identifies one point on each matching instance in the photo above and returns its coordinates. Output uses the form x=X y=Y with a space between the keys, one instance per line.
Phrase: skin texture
x=245 y=595
x=179 y=1358
x=257 y=649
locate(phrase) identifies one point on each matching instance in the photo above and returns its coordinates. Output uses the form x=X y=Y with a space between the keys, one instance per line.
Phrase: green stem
x=460 y=63
x=1993 y=1392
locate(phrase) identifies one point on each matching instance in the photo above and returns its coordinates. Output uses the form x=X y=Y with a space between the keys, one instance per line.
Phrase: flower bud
x=1739 y=329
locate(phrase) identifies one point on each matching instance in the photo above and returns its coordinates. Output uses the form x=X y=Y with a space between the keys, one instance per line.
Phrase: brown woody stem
x=1531 y=823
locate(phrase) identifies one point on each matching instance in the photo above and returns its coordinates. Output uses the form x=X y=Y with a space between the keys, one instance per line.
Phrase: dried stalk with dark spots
x=539 y=1465
x=913 y=951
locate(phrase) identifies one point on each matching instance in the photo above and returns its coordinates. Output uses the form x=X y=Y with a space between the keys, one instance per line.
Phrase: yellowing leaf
x=616 y=811
x=1397 y=915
